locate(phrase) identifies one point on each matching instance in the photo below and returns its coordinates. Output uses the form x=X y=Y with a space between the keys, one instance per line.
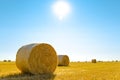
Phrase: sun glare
x=61 y=9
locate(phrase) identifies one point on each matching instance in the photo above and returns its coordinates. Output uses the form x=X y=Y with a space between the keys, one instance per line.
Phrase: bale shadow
x=63 y=66
x=26 y=76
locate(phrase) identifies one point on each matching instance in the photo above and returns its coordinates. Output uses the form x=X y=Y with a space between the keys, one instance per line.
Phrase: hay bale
x=63 y=60
x=4 y=60
x=38 y=58
x=94 y=61
x=9 y=60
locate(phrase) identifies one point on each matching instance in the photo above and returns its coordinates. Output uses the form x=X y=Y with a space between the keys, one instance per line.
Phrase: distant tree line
x=95 y=61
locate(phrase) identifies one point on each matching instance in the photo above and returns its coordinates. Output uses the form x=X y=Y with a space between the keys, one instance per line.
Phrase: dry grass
x=75 y=71
x=36 y=58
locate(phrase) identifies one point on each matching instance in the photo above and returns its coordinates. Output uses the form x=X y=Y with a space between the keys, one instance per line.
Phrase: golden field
x=75 y=71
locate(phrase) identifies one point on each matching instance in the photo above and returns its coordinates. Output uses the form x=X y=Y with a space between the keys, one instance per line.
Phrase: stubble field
x=75 y=71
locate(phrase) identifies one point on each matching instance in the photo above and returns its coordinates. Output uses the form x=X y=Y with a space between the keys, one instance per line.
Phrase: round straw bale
x=63 y=60
x=37 y=58
x=94 y=61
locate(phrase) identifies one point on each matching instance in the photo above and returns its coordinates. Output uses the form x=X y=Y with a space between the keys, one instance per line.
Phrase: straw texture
x=37 y=58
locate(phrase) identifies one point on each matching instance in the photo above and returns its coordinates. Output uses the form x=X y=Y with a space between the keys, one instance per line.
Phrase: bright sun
x=61 y=9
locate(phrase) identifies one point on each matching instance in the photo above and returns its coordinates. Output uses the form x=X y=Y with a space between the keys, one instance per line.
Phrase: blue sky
x=90 y=30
